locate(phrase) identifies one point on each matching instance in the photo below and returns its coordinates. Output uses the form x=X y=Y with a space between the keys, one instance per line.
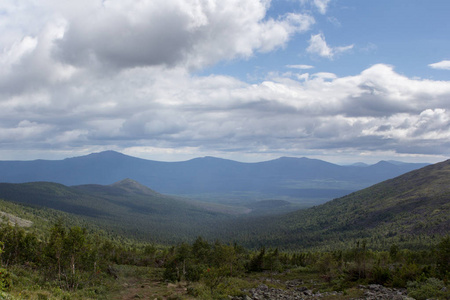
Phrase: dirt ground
x=145 y=283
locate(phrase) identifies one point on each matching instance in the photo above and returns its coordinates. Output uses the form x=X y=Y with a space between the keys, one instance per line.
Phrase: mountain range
x=410 y=210
x=302 y=180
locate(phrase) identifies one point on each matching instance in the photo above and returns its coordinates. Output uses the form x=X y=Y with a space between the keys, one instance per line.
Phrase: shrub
x=5 y=296
x=431 y=288
x=5 y=280
x=443 y=257
x=381 y=275
x=408 y=272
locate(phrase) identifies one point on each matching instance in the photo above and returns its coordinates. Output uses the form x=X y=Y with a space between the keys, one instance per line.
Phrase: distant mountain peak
x=133 y=186
x=396 y=162
x=210 y=158
x=127 y=182
x=292 y=157
x=108 y=153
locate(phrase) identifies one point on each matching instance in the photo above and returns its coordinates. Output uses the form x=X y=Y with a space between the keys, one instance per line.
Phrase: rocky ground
x=14 y=220
x=295 y=291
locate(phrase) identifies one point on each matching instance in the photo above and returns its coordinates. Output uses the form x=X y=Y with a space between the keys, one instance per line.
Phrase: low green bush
x=5 y=280
x=431 y=288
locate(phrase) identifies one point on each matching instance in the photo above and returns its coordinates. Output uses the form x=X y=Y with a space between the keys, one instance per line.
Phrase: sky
x=249 y=80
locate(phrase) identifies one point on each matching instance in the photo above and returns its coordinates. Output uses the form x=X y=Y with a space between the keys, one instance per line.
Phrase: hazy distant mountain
x=411 y=209
x=359 y=164
x=208 y=178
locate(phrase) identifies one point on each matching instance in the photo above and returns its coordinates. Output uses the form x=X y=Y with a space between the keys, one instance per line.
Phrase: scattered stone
x=296 y=292
x=377 y=292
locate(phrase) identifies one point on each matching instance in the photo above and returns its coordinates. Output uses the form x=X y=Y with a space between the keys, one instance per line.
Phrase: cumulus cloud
x=69 y=40
x=318 y=46
x=128 y=34
x=376 y=110
x=120 y=78
x=442 y=65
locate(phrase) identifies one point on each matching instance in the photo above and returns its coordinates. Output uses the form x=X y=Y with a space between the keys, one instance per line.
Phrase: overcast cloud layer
x=84 y=76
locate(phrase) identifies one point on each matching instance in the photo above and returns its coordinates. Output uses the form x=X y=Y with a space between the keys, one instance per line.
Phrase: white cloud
x=334 y=21
x=193 y=33
x=324 y=76
x=321 y=5
x=318 y=45
x=301 y=67
x=442 y=65
x=17 y=51
x=120 y=79
x=376 y=110
x=51 y=42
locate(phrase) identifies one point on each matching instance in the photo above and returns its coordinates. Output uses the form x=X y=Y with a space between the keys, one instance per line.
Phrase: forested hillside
x=412 y=210
x=125 y=207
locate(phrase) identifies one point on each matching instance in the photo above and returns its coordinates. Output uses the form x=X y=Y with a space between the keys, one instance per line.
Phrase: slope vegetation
x=410 y=210
x=125 y=207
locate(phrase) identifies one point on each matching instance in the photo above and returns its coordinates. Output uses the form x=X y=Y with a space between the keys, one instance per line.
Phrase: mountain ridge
x=208 y=178
x=125 y=206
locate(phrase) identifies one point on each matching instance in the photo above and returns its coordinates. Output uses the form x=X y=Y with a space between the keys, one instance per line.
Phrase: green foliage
x=408 y=272
x=256 y=264
x=432 y=288
x=393 y=252
x=18 y=245
x=443 y=257
x=212 y=266
x=192 y=263
x=172 y=271
x=6 y=296
x=5 y=280
x=381 y=275
x=215 y=277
